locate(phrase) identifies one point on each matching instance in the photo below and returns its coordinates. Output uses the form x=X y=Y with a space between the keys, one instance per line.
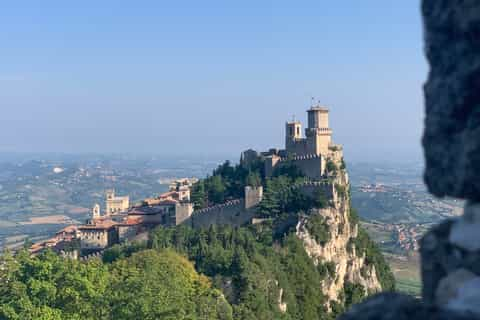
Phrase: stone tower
x=253 y=196
x=293 y=132
x=319 y=134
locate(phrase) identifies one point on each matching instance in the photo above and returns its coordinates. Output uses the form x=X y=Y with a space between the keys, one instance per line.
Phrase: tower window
x=291 y=131
x=298 y=131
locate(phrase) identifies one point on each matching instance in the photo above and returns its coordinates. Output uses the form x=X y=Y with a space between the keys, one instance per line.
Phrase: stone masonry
x=451 y=251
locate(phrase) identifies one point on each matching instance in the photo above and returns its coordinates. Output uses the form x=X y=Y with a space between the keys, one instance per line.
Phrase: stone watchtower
x=253 y=196
x=319 y=134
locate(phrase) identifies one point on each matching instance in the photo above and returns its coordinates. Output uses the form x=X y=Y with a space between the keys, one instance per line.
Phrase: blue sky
x=209 y=76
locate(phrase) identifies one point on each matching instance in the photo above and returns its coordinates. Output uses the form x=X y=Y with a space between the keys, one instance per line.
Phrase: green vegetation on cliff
x=279 y=199
x=365 y=245
x=250 y=268
x=226 y=182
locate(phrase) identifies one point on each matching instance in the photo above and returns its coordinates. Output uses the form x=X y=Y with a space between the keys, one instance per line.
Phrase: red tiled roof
x=99 y=224
x=69 y=229
x=131 y=221
x=150 y=210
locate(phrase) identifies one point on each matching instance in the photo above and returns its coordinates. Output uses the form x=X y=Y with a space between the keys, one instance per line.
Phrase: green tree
x=354 y=293
x=199 y=195
x=253 y=179
x=331 y=166
x=217 y=189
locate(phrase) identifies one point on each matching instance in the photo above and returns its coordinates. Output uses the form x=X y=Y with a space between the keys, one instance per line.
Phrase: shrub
x=326 y=269
x=341 y=190
x=354 y=293
x=319 y=229
x=331 y=166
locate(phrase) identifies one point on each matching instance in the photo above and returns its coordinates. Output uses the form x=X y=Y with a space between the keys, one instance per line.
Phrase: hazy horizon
x=209 y=77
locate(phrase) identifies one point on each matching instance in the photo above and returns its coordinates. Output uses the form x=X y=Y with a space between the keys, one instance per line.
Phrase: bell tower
x=293 y=135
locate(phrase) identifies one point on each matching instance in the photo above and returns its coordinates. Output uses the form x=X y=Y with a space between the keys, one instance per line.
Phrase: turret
x=95 y=214
x=253 y=196
x=294 y=130
x=318 y=118
x=293 y=134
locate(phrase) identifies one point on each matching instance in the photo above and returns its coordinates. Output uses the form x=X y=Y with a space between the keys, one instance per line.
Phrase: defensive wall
x=311 y=188
x=237 y=212
x=230 y=213
x=311 y=165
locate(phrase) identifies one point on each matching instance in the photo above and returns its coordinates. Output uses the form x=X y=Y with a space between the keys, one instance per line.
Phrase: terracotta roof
x=49 y=243
x=69 y=229
x=102 y=224
x=151 y=210
x=131 y=221
x=167 y=194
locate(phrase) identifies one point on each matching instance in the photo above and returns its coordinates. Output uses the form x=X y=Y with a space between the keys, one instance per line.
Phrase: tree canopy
x=147 y=285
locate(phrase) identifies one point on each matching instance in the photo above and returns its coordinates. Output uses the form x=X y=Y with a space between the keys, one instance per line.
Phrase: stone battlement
x=231 y=213
x=302 y=157
x=311 y=183
x=219 y=206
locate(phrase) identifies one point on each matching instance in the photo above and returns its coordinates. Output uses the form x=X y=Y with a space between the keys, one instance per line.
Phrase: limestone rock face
x=339 y=249
x=452 y=95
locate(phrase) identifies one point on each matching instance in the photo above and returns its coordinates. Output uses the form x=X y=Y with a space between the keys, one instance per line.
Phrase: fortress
x=314 y=154
x=311 y=154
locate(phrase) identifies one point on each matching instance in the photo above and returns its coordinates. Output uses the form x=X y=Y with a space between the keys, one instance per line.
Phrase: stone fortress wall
x=242 y=211
x=310 y=188
x=231 y=213
x=234 y=212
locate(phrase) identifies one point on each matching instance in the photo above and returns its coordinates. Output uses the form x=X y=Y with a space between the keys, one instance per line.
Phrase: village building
x=120 y=223
x=115 y=204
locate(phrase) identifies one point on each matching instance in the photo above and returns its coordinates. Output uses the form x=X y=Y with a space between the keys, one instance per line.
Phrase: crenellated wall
x=231 y=213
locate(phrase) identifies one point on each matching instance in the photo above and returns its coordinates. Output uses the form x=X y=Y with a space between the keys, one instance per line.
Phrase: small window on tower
x=291 y=131
x=298 y=131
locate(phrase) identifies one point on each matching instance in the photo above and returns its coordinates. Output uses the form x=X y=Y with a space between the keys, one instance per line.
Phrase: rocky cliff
x=338 y=248
x=305 y=255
